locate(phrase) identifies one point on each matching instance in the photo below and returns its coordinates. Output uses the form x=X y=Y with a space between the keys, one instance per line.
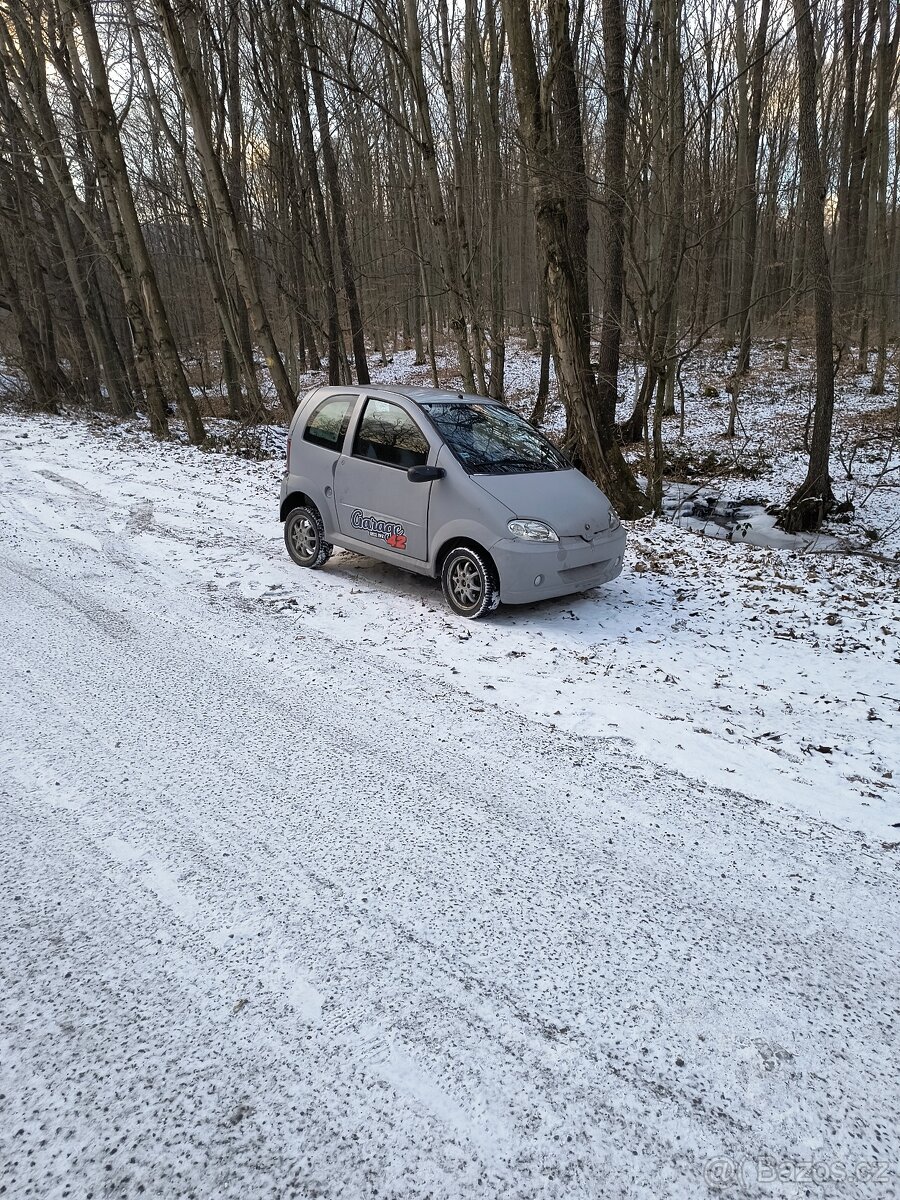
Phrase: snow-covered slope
x=311 y=889
x=756 y=669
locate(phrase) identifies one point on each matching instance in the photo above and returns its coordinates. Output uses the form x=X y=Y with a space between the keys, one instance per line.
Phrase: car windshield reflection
x=491 y=440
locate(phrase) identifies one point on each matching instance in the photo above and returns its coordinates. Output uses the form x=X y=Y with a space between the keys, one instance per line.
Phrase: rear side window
x=390 y=436
x=327 y=426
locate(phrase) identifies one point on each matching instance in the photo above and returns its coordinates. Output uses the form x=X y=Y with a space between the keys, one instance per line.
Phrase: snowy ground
x=313 y=889
x=709 y=474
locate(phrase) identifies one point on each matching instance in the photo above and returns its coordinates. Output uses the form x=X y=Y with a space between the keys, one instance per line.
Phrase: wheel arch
x=297 y=499
x=471 y=543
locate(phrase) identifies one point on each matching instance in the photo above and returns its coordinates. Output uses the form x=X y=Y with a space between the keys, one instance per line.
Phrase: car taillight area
x=287 y=455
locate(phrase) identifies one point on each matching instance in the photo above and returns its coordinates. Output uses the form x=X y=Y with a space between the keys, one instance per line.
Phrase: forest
x=388 y=812
x=201 y=203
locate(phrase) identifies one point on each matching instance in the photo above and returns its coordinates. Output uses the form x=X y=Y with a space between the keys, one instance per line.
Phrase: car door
x=317 y=443
x=376 y=503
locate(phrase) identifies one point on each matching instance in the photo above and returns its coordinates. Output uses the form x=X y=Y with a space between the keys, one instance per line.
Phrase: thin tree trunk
x=102 y=124
x=750 y=198
x=198 y=103
x=879 y=267
x=445 y=230
x=103 y=127
x=338 y=208
x=308 y=150
x=236 y=346
x=814 y=499
x=47 y=382
x=613 y=209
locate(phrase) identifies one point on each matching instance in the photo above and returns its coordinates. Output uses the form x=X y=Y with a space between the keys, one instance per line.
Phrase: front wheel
x=304 y=536
x=469 y=583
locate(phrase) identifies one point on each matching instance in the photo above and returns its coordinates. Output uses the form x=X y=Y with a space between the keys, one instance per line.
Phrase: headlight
x=532 y=531
x=614 y=521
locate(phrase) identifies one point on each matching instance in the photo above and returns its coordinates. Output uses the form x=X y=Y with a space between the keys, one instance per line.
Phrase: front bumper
x=562 y=568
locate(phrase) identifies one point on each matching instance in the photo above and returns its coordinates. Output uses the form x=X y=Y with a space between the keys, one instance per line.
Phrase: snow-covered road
x=284 y=916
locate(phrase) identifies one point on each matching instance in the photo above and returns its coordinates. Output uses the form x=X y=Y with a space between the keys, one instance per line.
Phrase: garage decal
x=390 y=532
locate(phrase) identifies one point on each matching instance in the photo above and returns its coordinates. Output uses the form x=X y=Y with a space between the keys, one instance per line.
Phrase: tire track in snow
x=495 y=943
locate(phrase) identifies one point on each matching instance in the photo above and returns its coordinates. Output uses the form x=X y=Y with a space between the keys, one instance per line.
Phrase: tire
x=469 y=583
x=304 y=536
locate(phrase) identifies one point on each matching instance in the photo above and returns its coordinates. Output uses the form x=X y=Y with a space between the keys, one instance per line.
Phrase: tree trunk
x=749 y=197
x=814 y=499
x=570 y=150
x=445 y=230
x=47 y=382
x=666 y=224
x=613 y=209
x=595 y=443
x=102 y=124
x=338 y=208
x=879 y=276
x=198 y=104
x=539 y=412
x=236 y=347
x=323 y=231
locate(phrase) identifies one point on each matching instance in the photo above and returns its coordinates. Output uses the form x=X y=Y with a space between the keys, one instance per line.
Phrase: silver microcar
x=446 y=485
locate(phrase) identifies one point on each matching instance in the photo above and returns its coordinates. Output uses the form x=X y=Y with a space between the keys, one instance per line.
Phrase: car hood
x=566 y=500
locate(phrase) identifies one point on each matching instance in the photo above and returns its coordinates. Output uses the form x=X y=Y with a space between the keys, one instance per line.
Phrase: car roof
x=430 y=395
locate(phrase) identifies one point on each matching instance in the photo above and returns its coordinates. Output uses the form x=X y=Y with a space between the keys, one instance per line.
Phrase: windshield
x=490 y=440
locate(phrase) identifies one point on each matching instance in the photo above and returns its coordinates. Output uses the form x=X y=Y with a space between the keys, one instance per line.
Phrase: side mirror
x=425 y=474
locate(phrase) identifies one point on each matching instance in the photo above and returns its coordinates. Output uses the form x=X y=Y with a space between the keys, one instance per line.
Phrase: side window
x=327 y=426
x=388 y=435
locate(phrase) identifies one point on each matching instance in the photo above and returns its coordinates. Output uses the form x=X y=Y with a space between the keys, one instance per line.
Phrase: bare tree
x=594 y=439
x=199 y=105
x=614 y=202
x=814 y=499
x=336 y=193
x=102 y=126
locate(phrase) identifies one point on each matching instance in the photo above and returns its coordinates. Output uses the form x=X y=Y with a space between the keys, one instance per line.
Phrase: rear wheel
x=470 y=583
x=304 y=536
